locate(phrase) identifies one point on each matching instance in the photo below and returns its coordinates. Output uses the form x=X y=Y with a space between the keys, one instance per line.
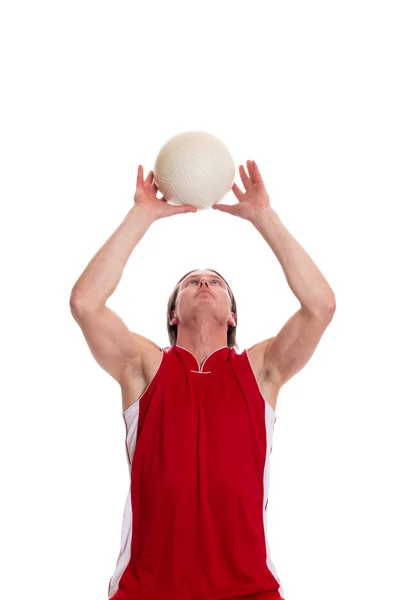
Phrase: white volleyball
x=194 y=168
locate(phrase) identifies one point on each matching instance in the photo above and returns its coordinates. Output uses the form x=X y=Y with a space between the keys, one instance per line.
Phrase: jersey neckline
x=191 y=363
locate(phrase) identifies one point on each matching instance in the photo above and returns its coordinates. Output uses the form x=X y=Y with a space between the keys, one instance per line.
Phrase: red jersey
x=198 y=445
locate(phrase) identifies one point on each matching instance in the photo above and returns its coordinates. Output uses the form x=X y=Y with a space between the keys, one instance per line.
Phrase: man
x=199 y=415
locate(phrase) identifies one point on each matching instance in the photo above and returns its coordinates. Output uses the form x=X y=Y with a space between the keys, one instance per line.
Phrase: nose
x=204 y=286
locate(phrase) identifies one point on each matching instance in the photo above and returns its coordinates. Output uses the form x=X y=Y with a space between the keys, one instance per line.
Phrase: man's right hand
x=146 y=196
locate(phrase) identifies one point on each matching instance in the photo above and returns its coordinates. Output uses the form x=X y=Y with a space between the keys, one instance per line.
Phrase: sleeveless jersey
x=198 y=445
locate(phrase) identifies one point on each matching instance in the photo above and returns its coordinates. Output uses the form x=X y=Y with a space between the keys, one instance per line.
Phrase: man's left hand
x=254 y=200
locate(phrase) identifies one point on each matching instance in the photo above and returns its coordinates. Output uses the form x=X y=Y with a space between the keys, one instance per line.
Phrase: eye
x=217 y=280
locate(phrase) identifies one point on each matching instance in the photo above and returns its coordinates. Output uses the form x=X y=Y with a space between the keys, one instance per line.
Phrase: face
x=201 y=287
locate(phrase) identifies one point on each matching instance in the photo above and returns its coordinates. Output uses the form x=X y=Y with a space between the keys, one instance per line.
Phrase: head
x=185 y=296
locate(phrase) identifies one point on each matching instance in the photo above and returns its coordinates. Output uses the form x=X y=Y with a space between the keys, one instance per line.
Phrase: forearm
x=303 y=276
x=103 y=273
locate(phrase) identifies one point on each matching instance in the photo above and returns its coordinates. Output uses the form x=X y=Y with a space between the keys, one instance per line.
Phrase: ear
x=231 y=320
x=174 y=320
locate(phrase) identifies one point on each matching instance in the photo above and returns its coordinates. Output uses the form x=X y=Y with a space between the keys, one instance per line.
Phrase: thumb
x=184 y=209
x=222 y=207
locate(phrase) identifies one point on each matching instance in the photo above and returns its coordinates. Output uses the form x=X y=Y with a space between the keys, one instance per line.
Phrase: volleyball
x=195 y=168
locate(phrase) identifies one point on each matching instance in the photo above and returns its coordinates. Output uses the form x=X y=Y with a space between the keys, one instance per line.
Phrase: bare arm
x=103 y=273
x=112 y=344
x=110 y=341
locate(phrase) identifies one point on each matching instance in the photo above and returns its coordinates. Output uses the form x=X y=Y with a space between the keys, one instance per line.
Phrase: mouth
x=204 y=292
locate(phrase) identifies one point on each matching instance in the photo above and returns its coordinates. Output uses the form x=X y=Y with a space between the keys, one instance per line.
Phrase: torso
x=134 y=382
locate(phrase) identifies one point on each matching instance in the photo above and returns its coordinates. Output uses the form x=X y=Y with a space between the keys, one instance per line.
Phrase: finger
x=178 y=210
x=237 y=191
x=245 y=178
x=149 y=177
x=222 y=207
x=256 y=173
x=140 y=174
x=153 y=184
x=250 y=169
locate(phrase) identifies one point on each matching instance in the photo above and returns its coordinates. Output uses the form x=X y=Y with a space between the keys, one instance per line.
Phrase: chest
x=133 y=387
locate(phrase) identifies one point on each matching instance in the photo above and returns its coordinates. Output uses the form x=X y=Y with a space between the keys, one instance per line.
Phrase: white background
x=310 y=90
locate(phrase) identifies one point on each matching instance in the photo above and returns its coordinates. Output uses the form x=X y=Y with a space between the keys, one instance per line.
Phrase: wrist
x=143 y=214
x=262 y=215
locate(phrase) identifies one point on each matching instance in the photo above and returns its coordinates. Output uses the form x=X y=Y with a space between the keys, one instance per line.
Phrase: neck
x=202 y=344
